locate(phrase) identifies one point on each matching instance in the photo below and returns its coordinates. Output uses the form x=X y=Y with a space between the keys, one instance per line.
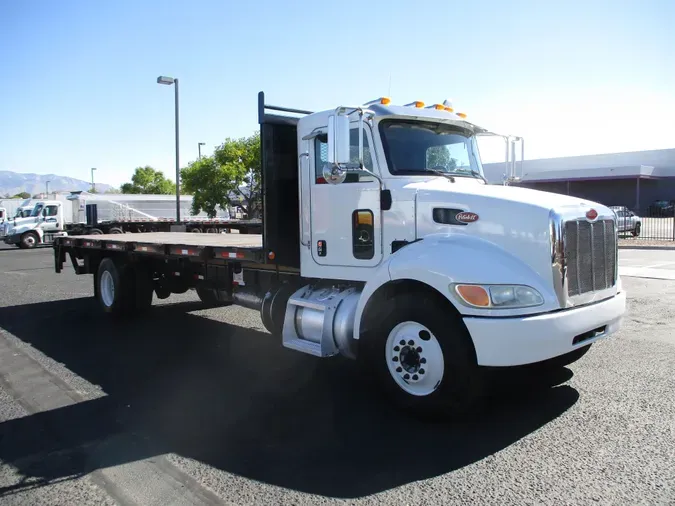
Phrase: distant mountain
x=15 y=182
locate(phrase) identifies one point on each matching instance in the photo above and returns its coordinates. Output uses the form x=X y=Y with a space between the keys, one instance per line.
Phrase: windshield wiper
x=479 y=175
x=441 y=173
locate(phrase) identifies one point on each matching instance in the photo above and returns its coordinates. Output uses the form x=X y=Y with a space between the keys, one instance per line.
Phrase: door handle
x=305 y=241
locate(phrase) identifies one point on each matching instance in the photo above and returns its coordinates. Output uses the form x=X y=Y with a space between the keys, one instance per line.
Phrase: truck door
x=345 y=217
x=50 y=218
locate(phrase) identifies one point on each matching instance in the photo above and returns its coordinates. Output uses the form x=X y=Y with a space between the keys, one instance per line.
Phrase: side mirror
x=338 y=139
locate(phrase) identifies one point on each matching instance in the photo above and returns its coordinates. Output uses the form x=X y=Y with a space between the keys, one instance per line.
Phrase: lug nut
x=402 y=343
x=406 y=377
x=415 y=377
x=422 y=371
x=396 y=348
x=395 y=359
x=423 y=361
x=419 y=349
x=398 y=369
x=411 y=343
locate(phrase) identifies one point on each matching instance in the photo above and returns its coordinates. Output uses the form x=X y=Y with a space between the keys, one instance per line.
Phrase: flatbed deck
x=244 y=247
x=182 y=238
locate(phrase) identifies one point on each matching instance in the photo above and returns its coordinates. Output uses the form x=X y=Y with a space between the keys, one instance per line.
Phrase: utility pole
x=169 y=81
x=93 y=186
x=199 y=148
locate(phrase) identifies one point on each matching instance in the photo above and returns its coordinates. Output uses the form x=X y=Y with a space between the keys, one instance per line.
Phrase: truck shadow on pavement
x=234 y=399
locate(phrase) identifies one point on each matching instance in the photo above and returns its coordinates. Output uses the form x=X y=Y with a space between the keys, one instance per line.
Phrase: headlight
x=498 y=296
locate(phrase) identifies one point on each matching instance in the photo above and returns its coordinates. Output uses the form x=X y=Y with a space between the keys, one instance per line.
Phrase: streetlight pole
x=199 y=148
x=47 y=188
x=169 y=81
x=93 y=186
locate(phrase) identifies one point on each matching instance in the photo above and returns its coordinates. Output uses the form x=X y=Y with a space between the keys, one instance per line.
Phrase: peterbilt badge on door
x=466 y=217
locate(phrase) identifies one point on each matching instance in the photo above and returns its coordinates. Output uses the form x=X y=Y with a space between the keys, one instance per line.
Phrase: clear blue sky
x=78 y=78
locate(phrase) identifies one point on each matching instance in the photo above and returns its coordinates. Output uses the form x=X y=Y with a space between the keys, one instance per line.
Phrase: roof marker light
x=381 y=100
x=417 y=103
x=461 y=115
x=449 y=109
x=439 y=107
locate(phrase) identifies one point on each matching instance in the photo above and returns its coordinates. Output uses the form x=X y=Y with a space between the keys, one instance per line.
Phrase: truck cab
x=393 y=203
x=45 y=222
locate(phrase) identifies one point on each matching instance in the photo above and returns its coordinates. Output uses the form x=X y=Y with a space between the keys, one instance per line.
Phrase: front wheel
x=423 y=357
x=636 y=230
x=29 y=240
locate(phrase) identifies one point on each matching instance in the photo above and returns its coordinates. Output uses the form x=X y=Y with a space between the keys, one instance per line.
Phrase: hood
x=515 y=219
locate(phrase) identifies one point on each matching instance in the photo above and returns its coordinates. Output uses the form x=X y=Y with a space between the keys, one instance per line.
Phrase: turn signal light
x=474 y=295
x=364 y=218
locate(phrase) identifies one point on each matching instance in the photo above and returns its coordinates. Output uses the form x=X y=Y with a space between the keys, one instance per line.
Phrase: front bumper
x=526 y=340
x=12 y=239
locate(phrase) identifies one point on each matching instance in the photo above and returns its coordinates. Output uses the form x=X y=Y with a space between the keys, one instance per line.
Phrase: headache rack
x=279 y=182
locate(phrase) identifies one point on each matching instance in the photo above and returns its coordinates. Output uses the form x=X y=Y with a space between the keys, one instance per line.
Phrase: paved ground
x=201 y=407
x=657 y=264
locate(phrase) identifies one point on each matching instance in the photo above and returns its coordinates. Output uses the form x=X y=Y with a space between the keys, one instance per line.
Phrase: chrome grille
x=590 y=256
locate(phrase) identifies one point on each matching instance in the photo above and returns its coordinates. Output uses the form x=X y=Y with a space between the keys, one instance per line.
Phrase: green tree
x=22 y=195
x=149 y=181
x=111 y=191
x=439 y=156
x=230 y=177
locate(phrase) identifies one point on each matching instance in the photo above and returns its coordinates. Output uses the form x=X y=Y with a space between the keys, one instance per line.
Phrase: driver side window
x=321 y=157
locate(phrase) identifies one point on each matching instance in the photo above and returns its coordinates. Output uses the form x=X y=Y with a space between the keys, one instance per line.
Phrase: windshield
x=36 y=210
x=417 y=147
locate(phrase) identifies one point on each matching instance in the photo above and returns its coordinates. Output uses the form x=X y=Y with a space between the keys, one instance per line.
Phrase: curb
x=650 y=248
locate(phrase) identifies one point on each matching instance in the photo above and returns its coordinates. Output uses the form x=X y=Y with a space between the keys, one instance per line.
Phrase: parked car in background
x=662 y=208
x=627 y=220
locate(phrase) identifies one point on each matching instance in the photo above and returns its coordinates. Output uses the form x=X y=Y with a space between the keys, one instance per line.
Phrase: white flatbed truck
x=382 y=242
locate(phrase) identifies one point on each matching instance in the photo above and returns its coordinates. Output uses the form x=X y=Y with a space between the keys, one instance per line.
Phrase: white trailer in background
x=100 y=215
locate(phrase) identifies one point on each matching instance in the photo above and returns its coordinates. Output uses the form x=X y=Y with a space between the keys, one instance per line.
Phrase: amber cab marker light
x=474 y=295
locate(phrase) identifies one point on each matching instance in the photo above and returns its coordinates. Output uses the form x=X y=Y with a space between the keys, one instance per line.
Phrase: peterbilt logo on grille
x=466 y=217
x=591 y=214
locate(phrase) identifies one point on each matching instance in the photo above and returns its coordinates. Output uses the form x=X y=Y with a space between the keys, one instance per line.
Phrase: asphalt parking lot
x=194 y=406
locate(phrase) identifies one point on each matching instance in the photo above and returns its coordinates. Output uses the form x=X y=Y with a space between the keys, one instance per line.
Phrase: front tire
x=423 y=357
x=29 y=240
x=636 y=230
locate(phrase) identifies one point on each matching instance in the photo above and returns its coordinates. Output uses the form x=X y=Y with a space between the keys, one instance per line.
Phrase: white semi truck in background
x=80 y=214
x=382 y=242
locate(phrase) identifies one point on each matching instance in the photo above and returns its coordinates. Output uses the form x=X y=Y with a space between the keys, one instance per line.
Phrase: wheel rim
x=107 y=288
x=414 y=358
x=29 y=241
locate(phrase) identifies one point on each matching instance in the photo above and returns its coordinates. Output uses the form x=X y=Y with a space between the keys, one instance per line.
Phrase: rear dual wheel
x=122 y=289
